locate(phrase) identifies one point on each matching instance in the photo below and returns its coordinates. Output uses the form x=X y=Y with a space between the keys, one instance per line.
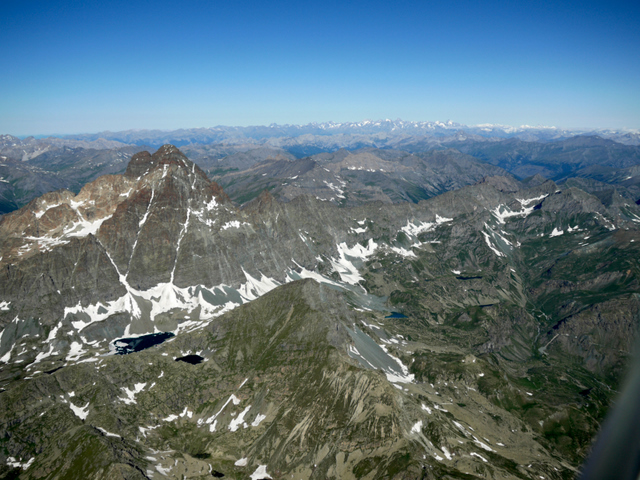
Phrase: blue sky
x=72 y=67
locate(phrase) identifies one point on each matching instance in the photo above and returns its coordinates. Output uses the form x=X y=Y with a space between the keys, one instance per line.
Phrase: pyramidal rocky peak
x=130 y=228
x=132 y=248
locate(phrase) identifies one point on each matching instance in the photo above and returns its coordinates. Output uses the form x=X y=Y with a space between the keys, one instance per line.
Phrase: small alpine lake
x=396 y=315
x=124 y=346
x=192 y=359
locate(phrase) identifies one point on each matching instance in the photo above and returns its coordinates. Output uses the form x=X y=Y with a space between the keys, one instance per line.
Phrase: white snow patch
x=482 y=445
x=131 y=394
x=403 y=252
x=370 y=325
x=345 y=268
x=460 y=426
x=502 y=212
x=255 y=288
x=162 y=470
x=164 y=297
x=440 y=219
x=338 y=190
x=7 y=356
x=490 y=245
x=446 y=453
x=395 y=377
x=259 y=418
x=42 y=355
x=358 y=251
x=146 y=213
x=260 y=473
x=4 y=306
x=525 y=202
x=44 y=244
x=81 y=412
x=84 y=227
x=239 y=420
x=233 y=224
x=211 y=421
x=556 y=232
x=414 y=230
x=479 y=456
x=12 y=462
x=108 y=434
x=47 y=207
x=75 y=351
x=417 y=427
x=241 y=463
x=211 y=205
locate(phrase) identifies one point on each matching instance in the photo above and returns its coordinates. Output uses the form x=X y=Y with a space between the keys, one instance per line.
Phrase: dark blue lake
x=192 y=359
x=396 y=315
x=129 y=345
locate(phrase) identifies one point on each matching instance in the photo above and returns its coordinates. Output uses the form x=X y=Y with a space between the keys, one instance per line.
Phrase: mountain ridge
x=506 y=295
x=34 y=166
x=394 y=127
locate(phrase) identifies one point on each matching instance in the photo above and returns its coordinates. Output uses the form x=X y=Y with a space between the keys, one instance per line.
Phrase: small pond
x=135 y=344
x=396 y=315
x=192 y=359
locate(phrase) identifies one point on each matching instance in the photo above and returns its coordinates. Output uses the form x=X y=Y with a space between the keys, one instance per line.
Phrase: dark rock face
x=140 y=164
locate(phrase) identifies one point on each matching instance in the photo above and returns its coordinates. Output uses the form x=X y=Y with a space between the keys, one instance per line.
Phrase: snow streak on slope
x=374 y=356
x=414 y=230
x=345 y=267
x=85 y=227
x=502 y=212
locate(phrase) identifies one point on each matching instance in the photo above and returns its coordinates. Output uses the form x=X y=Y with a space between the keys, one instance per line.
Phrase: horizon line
x=443 y=124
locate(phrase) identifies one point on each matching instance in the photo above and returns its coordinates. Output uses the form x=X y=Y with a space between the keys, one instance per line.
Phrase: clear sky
x=89 y=66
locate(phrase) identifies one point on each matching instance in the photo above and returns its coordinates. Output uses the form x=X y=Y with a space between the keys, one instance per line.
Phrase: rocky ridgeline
x=356 y=178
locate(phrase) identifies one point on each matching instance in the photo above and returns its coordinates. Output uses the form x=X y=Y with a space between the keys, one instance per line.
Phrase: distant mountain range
x=372 y=133
x=388 y=160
